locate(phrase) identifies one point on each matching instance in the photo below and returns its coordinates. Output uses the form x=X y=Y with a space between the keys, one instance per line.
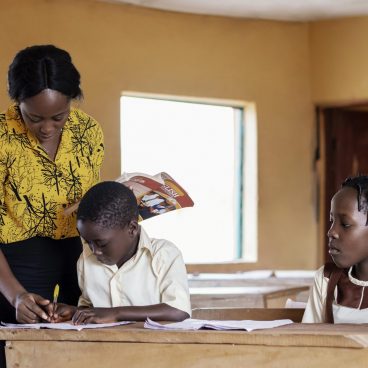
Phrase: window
x=202 y=147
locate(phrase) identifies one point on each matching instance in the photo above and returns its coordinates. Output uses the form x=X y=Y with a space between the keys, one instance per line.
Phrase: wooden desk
x=257 y=314
x=302 y=346
x=240 y=279
x=247 y=296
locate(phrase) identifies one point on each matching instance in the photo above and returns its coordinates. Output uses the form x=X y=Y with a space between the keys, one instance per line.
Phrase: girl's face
x=348 y=234
x=110 y=246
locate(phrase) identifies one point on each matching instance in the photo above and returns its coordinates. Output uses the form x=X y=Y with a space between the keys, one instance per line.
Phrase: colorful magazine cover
x=155 y=195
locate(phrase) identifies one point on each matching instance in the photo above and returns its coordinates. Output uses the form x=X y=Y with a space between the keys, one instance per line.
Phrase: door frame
x=320 y=169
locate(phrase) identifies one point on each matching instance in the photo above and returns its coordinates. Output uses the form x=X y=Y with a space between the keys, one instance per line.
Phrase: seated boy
x=123 y=274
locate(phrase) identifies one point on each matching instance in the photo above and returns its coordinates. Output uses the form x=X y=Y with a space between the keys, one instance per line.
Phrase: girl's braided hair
x=360 y=184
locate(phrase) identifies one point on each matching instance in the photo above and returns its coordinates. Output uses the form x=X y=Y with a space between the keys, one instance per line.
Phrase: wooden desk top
x=245 y=290
x=317 y=335
x=229 y=280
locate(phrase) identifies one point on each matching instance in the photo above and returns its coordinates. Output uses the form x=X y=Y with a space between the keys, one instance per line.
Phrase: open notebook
x=196 y=324
x=62 y=326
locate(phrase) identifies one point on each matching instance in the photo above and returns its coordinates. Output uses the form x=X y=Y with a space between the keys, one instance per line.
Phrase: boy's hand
x=62 y=312
x=30 y=308
x=94 y=315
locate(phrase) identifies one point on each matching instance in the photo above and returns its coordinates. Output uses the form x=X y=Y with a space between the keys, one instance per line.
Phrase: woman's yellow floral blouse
x=34 y=189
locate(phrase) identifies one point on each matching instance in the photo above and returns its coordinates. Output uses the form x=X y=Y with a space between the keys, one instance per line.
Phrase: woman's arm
x=27 y=305
x=9 y=285
x=158 y=312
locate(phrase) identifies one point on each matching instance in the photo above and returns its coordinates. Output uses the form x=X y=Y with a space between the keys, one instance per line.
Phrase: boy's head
x=348 y=234
x=107 y=220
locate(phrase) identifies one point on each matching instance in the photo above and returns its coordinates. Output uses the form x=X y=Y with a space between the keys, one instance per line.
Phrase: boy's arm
x=65 y=312
x=169 y=265
x=62 y=313
x=158 y=312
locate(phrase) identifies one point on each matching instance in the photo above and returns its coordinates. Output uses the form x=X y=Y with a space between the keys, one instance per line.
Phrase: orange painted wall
x=339 y=60
x=119 y=48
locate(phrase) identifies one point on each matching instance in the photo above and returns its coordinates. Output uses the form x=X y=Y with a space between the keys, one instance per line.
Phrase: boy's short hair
x=108 y=204
x=360 y=184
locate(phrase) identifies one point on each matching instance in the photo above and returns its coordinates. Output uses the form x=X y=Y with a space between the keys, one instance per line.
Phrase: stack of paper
x=196 y=324
x=62 y=326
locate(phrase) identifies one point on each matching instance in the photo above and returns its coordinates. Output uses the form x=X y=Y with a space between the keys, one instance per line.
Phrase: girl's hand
x=94 y=315
x=30 y=308
x=61 y=313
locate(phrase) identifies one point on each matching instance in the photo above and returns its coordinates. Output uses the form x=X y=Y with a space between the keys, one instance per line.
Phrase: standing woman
x=50 y=155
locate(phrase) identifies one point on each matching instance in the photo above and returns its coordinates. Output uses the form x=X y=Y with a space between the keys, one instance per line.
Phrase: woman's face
x=46 y=114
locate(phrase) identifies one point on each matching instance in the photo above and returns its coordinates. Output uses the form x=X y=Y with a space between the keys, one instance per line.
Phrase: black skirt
x=41 y=263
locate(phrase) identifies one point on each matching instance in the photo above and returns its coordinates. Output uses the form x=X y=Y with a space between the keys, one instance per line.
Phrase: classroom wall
x=119 y=48
x=339 y=60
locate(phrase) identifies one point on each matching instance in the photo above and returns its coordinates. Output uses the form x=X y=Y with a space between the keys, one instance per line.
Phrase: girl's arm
x=27 y=305
x=158 y=312
x=315 y=309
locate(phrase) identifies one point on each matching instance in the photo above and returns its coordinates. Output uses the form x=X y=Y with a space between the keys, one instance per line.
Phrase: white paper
x=294 y=304
x=196 y=324
x=299 y=274
x=62 y=326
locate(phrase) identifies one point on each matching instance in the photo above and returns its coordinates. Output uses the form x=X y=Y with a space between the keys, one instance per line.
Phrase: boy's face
x=110 y=246
x=348 y=234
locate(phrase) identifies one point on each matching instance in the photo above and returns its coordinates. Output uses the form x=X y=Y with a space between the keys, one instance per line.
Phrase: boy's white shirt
x=155 y=274
x=315 y=309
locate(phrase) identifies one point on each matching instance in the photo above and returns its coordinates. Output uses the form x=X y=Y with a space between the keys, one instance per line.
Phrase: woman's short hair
x=42 y=67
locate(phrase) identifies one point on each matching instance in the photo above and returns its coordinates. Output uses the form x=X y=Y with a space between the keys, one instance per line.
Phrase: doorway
x=344 y=141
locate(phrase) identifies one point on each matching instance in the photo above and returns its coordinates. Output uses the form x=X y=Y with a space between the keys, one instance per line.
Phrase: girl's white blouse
x=315 y=309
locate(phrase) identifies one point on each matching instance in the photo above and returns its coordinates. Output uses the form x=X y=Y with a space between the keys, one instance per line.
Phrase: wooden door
x=346 y=152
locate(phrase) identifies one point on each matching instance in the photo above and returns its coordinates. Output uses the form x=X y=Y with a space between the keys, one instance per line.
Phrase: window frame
x=249 y=173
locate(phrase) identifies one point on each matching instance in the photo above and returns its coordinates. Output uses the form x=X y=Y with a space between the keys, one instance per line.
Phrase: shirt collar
x=144 y=240
x=14 y=119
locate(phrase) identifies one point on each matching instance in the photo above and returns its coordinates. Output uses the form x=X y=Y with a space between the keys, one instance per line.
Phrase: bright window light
x=200 y=146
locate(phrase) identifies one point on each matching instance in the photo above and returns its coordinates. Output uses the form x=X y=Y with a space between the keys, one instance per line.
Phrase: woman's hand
x=62 y=312
x=94 y=315
x=30 y=308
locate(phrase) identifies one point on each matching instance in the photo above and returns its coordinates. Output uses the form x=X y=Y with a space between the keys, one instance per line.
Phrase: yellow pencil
x=56 y=295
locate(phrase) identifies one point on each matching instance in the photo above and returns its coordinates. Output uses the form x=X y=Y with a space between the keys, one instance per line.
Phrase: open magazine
x=155 y=195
